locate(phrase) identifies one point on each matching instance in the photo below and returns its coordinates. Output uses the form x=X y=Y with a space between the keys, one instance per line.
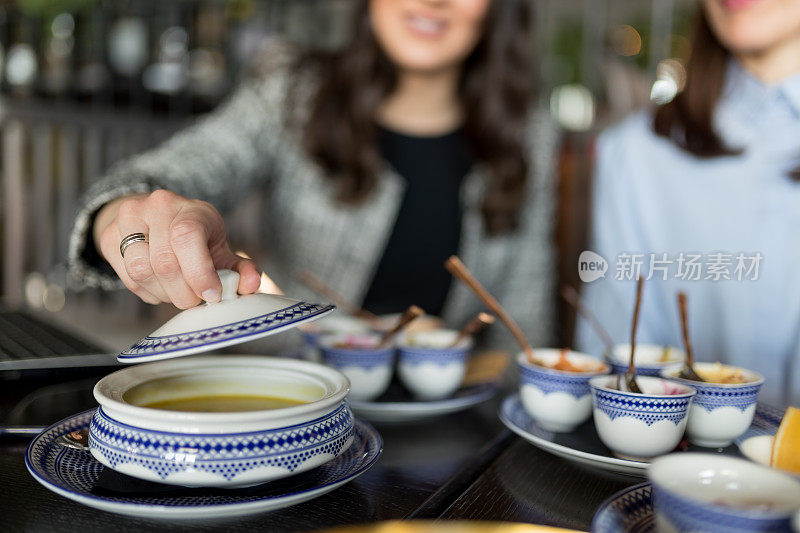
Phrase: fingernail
x=211 y=295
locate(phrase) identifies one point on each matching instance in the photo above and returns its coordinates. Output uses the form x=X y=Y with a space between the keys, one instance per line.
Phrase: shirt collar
x=745 y=93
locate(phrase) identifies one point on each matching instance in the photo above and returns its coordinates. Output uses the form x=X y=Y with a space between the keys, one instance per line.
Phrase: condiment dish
x=429 y=366
x=640 y=426
x=720 y=412
x=558 y=400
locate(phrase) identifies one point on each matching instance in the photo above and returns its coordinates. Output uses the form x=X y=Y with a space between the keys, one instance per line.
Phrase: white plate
x=74 y=474
x=584 y=446
x=410 y=410
x=565 y=445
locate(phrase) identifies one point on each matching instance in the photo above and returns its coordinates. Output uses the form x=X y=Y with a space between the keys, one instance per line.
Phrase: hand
x=187 y=244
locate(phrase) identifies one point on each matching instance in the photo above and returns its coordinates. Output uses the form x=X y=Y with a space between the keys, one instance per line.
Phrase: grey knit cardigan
x=246 y=146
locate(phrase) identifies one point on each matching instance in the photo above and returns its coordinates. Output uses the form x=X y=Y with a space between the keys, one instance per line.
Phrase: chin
x=746 y=38
x=423 y=62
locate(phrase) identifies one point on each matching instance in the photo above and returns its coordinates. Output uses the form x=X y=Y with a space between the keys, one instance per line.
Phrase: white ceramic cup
x=369 y=369
x=711 y=492
x=556 y=399
x=639 y=426
x=427 y=364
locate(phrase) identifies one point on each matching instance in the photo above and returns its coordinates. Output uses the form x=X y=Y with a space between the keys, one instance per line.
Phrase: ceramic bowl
x=220 y=449
x=344 y=324
x=427 y=364
x=709 y=492
x=648 y=358
x=640 y=426
x=557 y=400
x=369 y=369
x=719 y=413
x=424 y=323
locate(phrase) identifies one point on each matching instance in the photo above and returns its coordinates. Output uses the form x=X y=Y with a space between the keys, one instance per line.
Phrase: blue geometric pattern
x=419 y=356
x=710 y=397
x=212 y=336
x=641 y=370
x=693 y=515
x=766 y=421
x=225 y=455
x=341 y=357
x=549 y=381
x=648 y=409
x=77 y=471
x=630 y=510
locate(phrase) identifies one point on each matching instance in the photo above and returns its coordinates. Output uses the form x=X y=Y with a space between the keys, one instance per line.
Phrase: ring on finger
x=131 y=239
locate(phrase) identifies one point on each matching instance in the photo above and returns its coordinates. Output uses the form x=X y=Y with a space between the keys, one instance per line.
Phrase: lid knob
x=230 y=283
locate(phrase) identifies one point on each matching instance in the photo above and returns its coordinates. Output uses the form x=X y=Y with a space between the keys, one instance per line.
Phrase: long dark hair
x=688 y=119
x=496 y=87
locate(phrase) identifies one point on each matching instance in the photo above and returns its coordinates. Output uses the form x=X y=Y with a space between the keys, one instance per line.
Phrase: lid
x=233 y=320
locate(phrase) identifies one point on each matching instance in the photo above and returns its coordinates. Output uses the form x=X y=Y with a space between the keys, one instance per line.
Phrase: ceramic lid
x=233 y=320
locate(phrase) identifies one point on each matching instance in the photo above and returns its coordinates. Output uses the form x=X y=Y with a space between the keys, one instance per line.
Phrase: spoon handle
x=571 y=296
x=630 y=375
x=473 y=327
x=682 y=305
x=460 y=271
x=409 y=315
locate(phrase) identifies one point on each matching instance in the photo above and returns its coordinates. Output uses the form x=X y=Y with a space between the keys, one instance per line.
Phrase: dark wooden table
x=464 y=466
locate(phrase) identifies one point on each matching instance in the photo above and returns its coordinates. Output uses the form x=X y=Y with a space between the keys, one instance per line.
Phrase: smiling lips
x=738 y=4
x=425 y=26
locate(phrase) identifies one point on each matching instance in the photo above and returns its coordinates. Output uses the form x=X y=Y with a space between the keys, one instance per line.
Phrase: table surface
x=462 y=466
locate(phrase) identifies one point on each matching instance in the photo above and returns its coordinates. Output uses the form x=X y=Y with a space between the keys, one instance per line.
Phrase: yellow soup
x=223 y=404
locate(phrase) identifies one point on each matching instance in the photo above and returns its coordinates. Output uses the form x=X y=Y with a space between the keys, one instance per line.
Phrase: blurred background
x=84 y=83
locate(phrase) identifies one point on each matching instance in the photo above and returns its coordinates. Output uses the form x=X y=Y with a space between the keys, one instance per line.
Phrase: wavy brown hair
x=496 y=87
x=688 y=119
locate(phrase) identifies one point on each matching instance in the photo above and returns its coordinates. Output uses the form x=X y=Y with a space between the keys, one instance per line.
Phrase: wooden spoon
x=460 y=271
x=408 y=316
x=316 y=284
x=630 y=375
x=687 y=372
x=571 y=296
x=473 y=326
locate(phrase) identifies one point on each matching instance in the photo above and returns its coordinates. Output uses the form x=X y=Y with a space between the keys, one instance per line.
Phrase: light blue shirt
x=652 y=197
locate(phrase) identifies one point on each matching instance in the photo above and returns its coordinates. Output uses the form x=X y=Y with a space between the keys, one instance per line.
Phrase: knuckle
x=184 y=231
x=162 y=197
x=139 y=269
x=129 y=208
x=164 y=263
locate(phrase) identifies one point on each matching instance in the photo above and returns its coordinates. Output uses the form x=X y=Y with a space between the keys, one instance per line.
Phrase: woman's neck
x=776 y=63
x=423 y=104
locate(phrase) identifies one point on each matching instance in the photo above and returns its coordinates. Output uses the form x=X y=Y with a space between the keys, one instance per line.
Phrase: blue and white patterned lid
x=233 y=320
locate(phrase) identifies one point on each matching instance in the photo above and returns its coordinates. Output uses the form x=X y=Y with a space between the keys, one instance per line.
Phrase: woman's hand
x=187 y=244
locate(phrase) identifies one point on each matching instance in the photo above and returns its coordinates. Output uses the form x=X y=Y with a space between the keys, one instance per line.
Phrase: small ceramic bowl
x=709 y=492
x=423 y=323
x=719 y=413
x=556 y=399
x=650 y=359
x=369 y=369
x=427 y=364
x=220 y=449
x=330 y=325
x=640 y=426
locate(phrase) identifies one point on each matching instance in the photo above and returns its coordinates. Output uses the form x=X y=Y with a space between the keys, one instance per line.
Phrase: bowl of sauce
x=554 y=387
x=725 y=403
x=220 y=421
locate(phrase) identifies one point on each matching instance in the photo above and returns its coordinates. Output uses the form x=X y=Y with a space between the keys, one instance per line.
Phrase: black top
x=428 y=224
